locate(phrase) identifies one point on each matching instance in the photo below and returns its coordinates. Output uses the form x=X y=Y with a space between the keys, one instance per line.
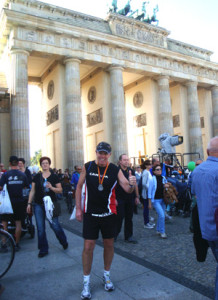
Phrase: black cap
x=105 y=147
x=13 y=159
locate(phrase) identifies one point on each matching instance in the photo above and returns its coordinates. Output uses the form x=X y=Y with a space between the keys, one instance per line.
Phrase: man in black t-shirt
x=126 y=203
x=100 y=178
x=16 y=181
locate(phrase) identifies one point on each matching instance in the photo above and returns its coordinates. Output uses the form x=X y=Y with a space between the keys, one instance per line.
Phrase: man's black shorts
x=19 y=209
x=92 y=225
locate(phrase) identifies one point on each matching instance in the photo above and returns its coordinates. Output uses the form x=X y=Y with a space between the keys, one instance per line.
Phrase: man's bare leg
x=108 y=257
x=5 y=225
x=18 y=231
x=87 y=256
x=108 y=253
x=89 y=246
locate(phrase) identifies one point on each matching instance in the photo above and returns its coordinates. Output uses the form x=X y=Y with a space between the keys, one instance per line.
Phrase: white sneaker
x=151 y=219
x=163 y=235
x=108 y=284
x=152 y=224
x=168 y=217
x=86 y=294
x=158 y=232
x=149 y=226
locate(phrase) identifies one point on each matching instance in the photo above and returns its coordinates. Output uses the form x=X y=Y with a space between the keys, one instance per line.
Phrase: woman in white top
x=156 y=196
x=146 y=179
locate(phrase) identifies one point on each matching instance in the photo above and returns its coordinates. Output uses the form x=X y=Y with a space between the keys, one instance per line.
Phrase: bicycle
x=7 y=251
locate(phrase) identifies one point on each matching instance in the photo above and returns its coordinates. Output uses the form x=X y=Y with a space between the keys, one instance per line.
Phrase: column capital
x=191 y=83
x=19 y=51
x=162 y=77
x=72 y=59
x=115 y=67
x=214 y=88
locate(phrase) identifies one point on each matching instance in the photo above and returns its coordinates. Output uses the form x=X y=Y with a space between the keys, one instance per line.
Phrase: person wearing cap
x=16 y=181
x=99 y=211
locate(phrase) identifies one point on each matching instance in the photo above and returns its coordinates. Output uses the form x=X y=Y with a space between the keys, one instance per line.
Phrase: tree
x=35 y=159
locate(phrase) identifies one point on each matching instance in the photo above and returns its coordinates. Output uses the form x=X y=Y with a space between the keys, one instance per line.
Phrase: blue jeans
x=39 y=212
x=214 y=248
x=160 y=207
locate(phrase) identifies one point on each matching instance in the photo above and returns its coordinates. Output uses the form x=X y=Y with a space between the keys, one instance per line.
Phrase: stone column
x=74 y=126
x=164 y=105
x=20 y=141
x=214 y=94
x=118 y=122
x=195 y=135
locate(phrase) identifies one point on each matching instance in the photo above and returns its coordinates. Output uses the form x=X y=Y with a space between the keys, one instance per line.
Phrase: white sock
x=106 y=273
x=86 y=279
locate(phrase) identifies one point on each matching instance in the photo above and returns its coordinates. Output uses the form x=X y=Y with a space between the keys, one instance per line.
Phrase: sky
x=190 y=21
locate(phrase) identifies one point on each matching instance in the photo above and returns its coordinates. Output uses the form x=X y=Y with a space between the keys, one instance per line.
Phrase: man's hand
x=79 y=214
x=137 y=200
x=149 y=204
x=29 y=209
x=132 y=179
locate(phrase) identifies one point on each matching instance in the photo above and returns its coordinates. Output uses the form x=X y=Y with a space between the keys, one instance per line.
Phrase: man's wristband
x=29 y=203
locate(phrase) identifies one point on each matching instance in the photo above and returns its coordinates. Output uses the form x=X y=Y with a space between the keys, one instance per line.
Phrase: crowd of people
x=112 y=194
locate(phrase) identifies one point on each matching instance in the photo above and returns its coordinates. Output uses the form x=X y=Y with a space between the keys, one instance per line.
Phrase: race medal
x=100 y=180
x=100 y=187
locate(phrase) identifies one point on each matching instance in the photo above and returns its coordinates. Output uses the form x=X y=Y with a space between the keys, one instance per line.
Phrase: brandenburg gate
x=116 y=79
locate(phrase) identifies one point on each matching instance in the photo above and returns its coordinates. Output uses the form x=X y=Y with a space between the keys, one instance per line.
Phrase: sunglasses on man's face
x=159 y=169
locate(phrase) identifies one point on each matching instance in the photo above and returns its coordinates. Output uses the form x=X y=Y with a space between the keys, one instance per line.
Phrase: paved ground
x=136 y=271
x=174 y=257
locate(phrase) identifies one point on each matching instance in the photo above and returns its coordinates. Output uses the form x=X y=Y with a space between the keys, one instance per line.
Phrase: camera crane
x=168 y=144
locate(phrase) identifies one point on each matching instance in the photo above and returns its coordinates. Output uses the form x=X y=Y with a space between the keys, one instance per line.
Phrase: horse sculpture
x=142 y=15
x=153 y=19
x=137 y=14
x=127 y=8
x=113 y=7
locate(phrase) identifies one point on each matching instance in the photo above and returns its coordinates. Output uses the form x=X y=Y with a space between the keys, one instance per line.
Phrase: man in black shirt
x=16 y=181
x=100 y=178
x=126 y=202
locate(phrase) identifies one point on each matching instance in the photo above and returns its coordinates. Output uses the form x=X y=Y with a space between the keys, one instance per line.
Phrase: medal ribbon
x=99 y=175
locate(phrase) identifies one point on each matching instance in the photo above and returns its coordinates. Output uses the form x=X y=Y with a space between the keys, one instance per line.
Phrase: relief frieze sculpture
x=92 y=95
x=52 y=115
x=176 y=121
x=202 y=122
x=65 y=42
x=118 y=52
x=138 y=99
x=48 y=39
x=50 y=89
x=140 y=120
x=31 y=36
x=5 y=104
x=94 y=118
x=139 y=34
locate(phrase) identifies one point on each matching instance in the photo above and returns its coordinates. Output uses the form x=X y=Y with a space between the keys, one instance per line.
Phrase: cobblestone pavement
x=173 y=257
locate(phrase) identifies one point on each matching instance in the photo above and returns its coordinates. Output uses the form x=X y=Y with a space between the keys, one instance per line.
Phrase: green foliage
x=35 y=159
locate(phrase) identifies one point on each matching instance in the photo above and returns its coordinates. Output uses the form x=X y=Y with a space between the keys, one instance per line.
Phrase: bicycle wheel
x=7 y=251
